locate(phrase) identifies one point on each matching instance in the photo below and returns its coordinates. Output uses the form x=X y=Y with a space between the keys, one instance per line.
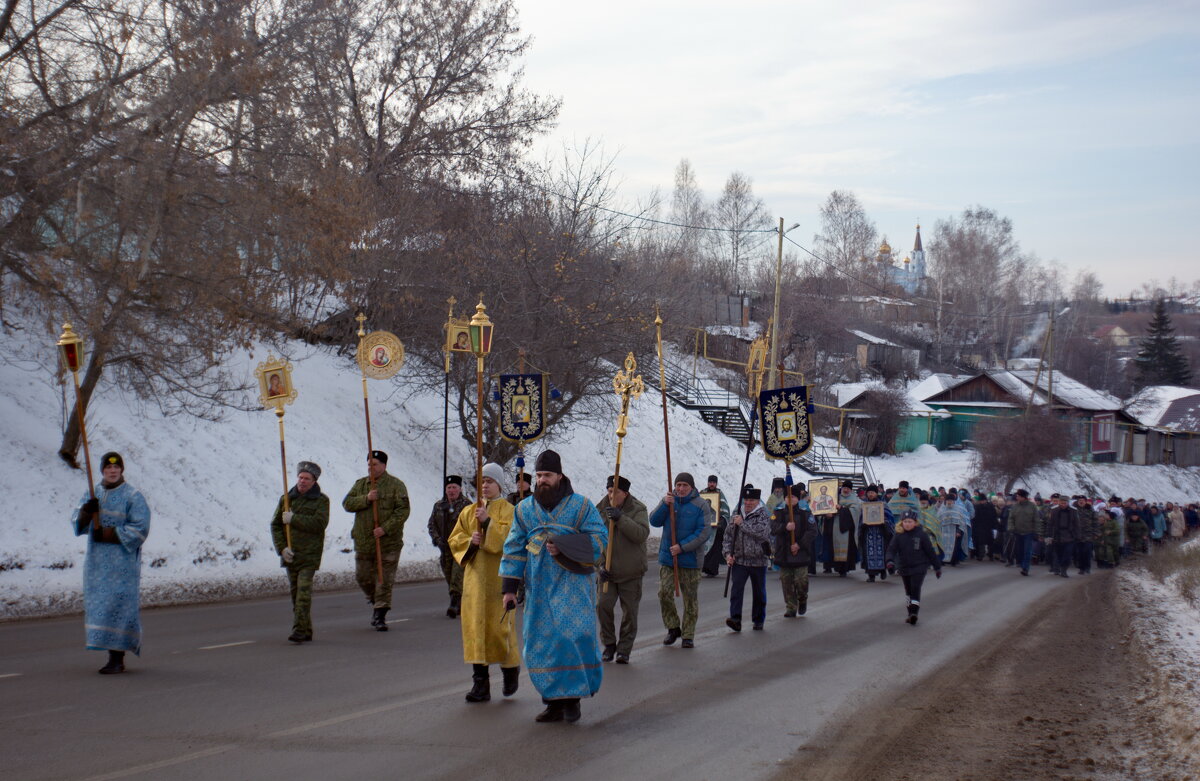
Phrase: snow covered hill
x=212 y=486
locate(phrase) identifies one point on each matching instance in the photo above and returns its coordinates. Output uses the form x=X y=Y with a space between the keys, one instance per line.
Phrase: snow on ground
x=1167 y=626
x=213 y=485
x=926 y=466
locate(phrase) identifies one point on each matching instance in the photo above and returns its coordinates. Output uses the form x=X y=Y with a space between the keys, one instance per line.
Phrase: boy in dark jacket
x=911 y=553
x=788 y=523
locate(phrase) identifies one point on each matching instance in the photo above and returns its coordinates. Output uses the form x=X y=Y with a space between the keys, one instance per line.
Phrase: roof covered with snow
x=866 y=337
x=1014 y=386
x=1069 y=391
x=1150 y=405
x=934 y=384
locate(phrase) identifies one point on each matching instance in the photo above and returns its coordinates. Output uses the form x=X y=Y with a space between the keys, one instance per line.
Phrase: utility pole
x=775 y=378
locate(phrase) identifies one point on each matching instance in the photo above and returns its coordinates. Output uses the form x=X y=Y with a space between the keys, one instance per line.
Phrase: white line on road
x=226 y=645
x=397 y=620
x=11 y=675
x=133 y=771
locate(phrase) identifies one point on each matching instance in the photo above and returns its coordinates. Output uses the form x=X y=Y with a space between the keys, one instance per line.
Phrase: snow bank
x=213 y=485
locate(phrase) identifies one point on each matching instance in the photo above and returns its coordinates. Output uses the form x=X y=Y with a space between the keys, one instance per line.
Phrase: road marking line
x=226 y=645
x=362 y=713
x=397 y=620
x=11 y=675
x=133 y=771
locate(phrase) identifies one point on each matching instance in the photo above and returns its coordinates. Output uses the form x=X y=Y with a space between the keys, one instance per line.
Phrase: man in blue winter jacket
x=683 y=548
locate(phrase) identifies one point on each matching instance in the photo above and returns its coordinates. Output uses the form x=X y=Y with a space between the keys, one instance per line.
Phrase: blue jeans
x=1025 y=544
x=758 y=588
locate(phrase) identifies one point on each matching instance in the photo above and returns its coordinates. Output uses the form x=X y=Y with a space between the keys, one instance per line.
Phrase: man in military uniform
x=441 y=524
x=630 y=528
x=381 y=495
x=306 y=517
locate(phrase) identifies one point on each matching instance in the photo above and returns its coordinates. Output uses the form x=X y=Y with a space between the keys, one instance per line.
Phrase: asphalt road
x=219 y=694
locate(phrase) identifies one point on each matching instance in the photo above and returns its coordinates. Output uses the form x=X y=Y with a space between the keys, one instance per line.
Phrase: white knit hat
x=496 y=472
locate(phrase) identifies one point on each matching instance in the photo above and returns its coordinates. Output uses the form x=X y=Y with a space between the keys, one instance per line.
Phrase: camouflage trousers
x=629 y=592
x=380 y=594
x=452 y=572
x=689 y=586
x=301 y=582
x=795 y=587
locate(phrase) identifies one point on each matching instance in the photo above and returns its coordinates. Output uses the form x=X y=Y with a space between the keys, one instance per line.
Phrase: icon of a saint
x=380 y=357
x=275 y=386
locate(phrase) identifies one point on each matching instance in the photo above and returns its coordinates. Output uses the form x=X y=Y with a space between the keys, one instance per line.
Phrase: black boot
x=512 y=679
x=116 y=663
x=913 y=609
x=609 y=652
x=455 y=609
x=570 y=710
x=553 y=712
x=481 y=690
x=379 y=619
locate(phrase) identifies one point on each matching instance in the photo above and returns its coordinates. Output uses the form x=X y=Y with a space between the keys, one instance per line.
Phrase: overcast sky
x=1079 y=120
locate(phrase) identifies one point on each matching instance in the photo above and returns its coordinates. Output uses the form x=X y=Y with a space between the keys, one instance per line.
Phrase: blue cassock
x=562 y=649
x=112 y=571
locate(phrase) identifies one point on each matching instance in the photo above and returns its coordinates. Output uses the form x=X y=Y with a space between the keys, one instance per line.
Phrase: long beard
x=549 y=496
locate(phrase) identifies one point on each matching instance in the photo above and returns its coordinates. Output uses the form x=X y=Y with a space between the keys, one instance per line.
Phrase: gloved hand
x=891 y=568
x=937 y=573
x=604 y=575
x=614 y=513
x=90 y=507
x=287 y=517
x=288 y=556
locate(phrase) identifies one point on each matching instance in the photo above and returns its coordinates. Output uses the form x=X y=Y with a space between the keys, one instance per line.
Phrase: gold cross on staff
x=361 y=320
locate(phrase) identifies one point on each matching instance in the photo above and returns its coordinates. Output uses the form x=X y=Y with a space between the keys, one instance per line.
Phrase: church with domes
x=911 y=274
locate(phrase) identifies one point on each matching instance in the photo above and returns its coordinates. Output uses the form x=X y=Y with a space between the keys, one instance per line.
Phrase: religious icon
x=380 y=357
x=872 y=513
x=460 y=339
x=520 y=409
x=275 y=382
x=785 y=422
x=275 y=386
x=714 y=501
x=822 y=496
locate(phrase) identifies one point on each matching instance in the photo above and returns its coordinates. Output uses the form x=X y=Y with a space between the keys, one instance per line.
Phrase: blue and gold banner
x=783 y=418
x=522 y=406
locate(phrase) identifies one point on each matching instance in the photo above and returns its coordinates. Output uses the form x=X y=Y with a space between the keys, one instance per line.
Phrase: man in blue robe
x=556 y=538
x=116 y=521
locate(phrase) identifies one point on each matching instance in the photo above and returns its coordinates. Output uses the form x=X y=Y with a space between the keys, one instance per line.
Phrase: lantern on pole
x=70 y=353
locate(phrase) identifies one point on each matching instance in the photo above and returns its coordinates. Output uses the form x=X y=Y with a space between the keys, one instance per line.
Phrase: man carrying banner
x=305 y=520
x=391 y=496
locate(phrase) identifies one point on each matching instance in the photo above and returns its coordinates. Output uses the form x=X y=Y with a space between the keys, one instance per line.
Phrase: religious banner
x=522 y=406
x=783 y=420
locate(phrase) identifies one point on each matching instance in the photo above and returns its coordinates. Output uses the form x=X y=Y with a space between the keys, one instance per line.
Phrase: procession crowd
x=571 y=562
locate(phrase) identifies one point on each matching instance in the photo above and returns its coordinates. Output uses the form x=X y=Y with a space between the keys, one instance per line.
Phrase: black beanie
x=112 y=458
x=712 y=478
x=548 y=461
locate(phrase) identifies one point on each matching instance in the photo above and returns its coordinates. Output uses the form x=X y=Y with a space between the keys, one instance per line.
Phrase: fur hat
x=454 y=480
x=378 y=455
x=622 y=483
x=311 y=468
x=750 y=492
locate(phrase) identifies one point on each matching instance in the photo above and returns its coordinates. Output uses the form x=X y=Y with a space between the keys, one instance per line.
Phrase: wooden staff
x=787 y=496
x=662 y=385
x=628 y=387
x=287 y=527
x=370 y=447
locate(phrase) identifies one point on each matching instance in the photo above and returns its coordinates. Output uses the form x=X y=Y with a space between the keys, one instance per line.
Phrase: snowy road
x=219 y=694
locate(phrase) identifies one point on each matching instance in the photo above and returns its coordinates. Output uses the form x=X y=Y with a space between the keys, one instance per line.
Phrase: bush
x=1007 y=449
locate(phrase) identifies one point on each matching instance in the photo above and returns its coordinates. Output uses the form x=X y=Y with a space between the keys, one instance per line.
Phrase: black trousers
x=714 y=558
x=912 y=585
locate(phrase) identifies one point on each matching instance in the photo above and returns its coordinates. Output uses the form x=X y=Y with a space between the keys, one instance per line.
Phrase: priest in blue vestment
x=557 y=537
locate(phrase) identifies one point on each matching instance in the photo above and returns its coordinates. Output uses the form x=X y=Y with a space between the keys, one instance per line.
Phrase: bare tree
x=1009 y=449
x=743 y=222
x=848 y=237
